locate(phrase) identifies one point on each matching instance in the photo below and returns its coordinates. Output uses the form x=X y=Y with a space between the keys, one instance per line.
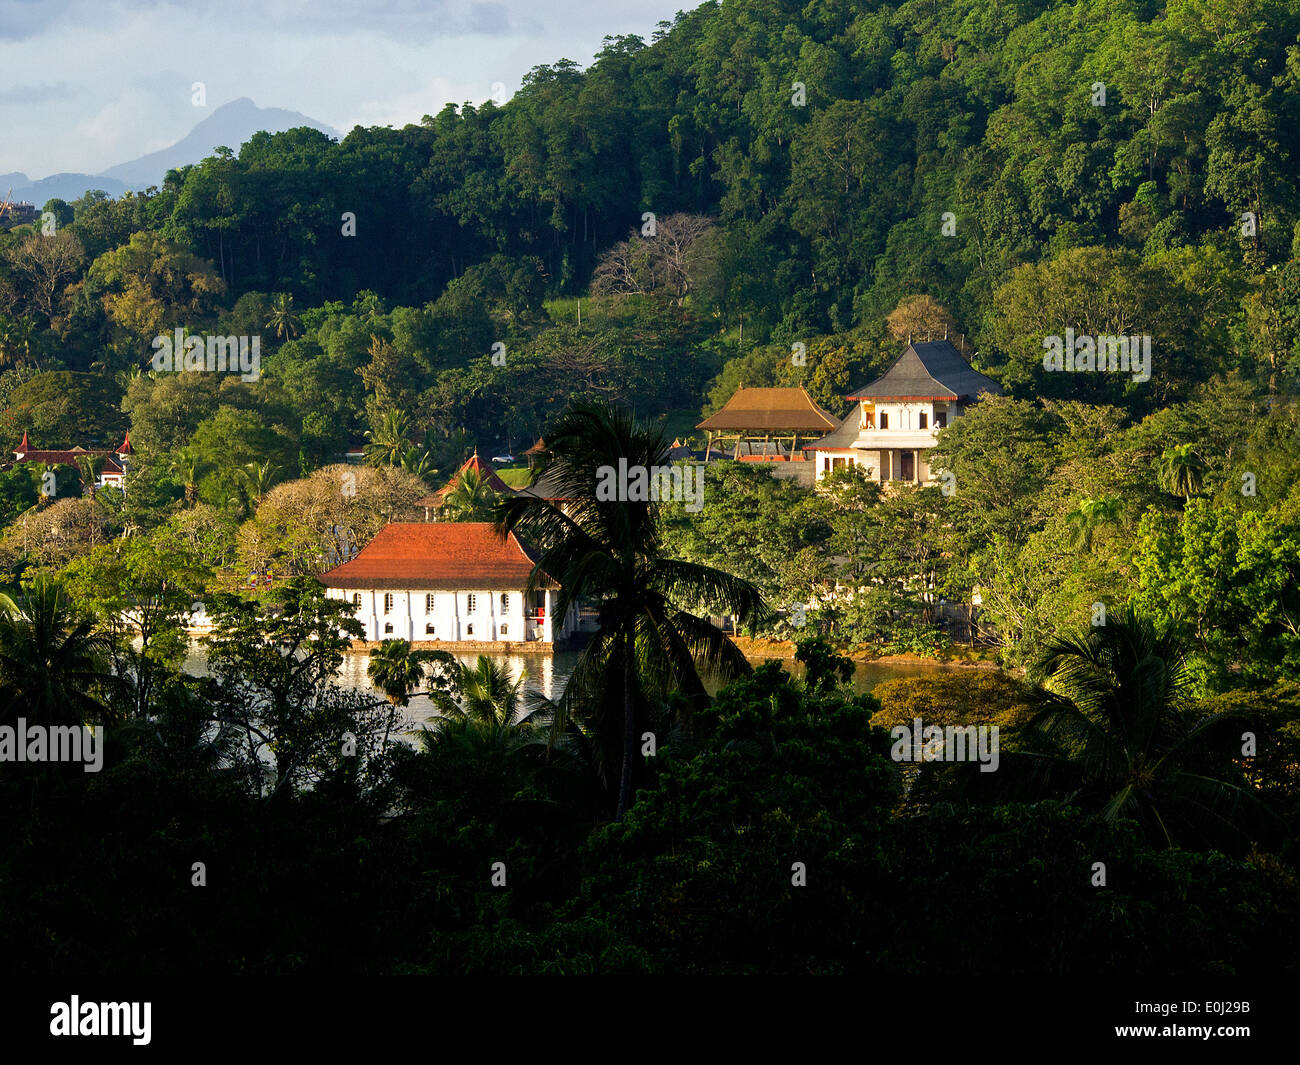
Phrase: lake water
x=548 y=674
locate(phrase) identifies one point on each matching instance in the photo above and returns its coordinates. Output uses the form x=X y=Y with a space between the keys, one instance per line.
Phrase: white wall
x=450 y=615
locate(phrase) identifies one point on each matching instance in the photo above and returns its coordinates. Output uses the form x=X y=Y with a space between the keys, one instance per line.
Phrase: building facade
x=895 y=420
x=449 y=583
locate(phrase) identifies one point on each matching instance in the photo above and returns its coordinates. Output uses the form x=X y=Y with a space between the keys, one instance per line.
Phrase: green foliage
x=62 y=409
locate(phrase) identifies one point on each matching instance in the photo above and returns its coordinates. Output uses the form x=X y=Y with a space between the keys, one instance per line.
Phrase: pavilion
x=761 y=420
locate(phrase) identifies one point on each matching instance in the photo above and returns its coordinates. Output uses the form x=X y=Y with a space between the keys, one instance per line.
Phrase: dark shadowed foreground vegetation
x=382 y=861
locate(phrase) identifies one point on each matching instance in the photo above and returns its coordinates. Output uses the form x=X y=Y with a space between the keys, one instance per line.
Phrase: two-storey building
x=895 y=420
x=449 y=583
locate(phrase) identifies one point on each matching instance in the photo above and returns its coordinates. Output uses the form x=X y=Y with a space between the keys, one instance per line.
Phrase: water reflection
x=548 y=674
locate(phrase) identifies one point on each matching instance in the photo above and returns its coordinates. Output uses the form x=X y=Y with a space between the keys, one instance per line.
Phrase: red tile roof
x=444 y=556
x=483 y=469
x=70 y=457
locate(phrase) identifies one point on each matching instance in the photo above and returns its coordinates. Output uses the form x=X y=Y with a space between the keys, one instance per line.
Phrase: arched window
x=388 y=627
x=428 y=630
x=505 y=602
x=469 y=630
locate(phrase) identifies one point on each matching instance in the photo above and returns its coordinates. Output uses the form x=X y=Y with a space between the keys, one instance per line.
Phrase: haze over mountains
x=231 y=125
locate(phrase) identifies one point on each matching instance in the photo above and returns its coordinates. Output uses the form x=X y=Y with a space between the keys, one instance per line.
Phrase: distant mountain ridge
x=231 y=124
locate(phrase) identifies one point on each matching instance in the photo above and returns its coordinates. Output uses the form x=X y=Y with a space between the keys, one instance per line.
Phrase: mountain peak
x=231 y=124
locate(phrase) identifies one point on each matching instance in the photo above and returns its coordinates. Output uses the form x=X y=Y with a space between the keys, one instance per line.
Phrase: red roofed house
x=449 y=582
x=111 y=465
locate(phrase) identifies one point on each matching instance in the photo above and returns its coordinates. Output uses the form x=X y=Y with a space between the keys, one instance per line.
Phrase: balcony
x=889 y=439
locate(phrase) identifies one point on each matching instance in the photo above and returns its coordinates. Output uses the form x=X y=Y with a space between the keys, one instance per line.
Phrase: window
x=503 y=630
x=505 y=604
x=428 y=630
x=941 y=420
x=471 y=603
x=388 y=606
x=469 y=630
x=428 y=604
x=923 y=421
x=356 y=598
x=884 y=420
x=838 y=464
x=388 y=627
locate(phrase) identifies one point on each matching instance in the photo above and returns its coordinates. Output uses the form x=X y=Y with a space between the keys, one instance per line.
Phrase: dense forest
x=643 y=236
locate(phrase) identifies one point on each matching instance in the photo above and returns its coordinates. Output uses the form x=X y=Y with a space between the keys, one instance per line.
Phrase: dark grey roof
x=545 y=487
x=930 y=370
x=841 y=437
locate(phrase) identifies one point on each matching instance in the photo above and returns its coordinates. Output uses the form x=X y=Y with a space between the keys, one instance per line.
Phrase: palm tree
x=369 y=305
x=51 y=658
x=259 y=478
x=397 y=671
x=8 y=340
x=1121 y=736
x=1182 y=472
x=471 y=499
x=418 y=463
x=482 y=748
x=16 y=336
x=647 y=643
x=389 y=441
x=483 y=695
x=186 y=465
x=87 y=466
x=1090 y=515
x=283 y=320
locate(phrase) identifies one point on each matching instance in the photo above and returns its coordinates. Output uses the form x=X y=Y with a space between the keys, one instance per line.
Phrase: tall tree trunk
x=629 y=735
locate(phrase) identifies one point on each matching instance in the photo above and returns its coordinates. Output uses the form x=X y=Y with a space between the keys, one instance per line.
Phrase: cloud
x=38 y=94
x=101 y=82
x=23 y=19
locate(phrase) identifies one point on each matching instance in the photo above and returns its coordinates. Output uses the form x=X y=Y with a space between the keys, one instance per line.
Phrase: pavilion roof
x=929 y=370
x=767 y=409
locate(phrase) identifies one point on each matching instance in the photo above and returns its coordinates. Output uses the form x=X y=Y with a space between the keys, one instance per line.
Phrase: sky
x=88 y=84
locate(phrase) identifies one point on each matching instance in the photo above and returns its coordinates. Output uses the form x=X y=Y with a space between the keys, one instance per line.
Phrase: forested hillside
x=1106 y=151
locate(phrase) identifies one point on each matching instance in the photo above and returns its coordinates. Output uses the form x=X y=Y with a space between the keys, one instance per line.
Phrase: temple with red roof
x=110 y=466
x=450 y=583
x=434 y=502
